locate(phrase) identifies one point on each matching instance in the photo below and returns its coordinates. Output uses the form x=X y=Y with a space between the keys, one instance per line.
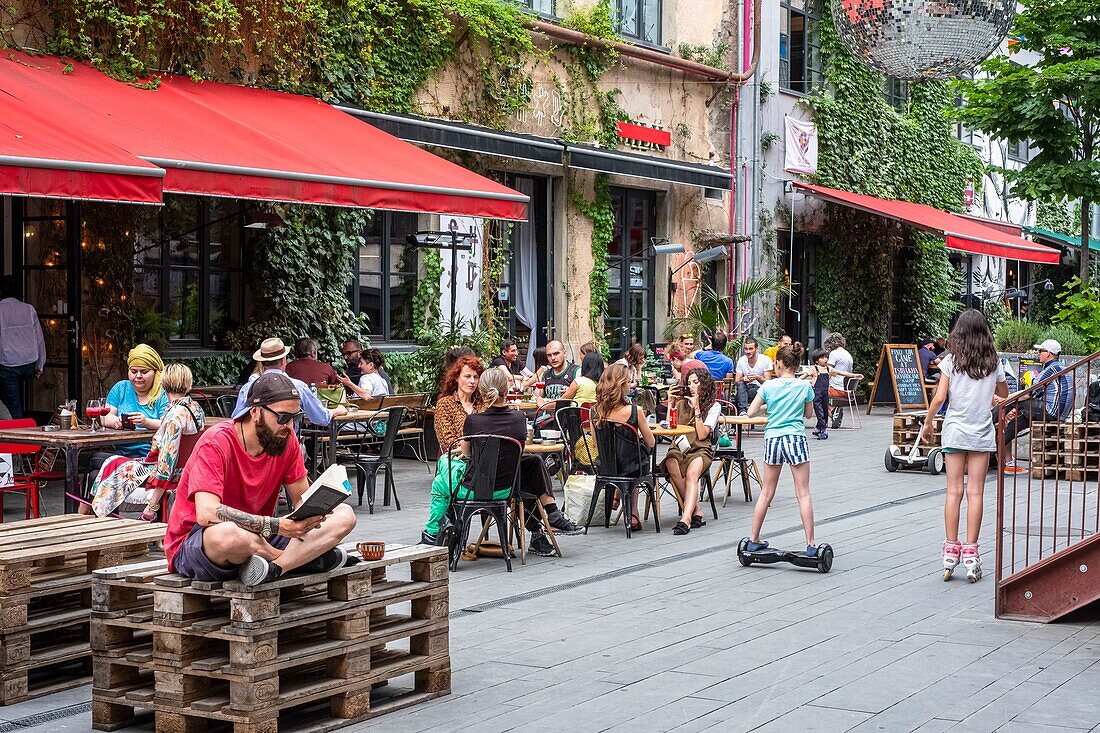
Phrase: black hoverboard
x=822 y=561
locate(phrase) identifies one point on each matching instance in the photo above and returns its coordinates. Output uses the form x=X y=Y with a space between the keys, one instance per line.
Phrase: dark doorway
x=45 y=260
x=630 y=292
x=530 y=280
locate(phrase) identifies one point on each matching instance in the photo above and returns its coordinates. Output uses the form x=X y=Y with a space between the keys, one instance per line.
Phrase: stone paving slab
x=666 y=633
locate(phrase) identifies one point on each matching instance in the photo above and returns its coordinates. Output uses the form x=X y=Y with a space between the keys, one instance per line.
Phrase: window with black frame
x=188 y=269
x=541 y=7
x=639 y=19
x=387 y=275
x=896 y=92
x=799 y=46
x=1019 y=151
x=965 y=134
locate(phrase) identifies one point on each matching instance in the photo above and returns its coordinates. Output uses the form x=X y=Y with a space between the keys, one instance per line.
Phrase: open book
x=325 y=494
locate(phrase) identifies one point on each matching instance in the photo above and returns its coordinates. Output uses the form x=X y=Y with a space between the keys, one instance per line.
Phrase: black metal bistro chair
x=624 y=465
x=731 y=459
x=483 y=480
x=579 y=456
x=370 y=450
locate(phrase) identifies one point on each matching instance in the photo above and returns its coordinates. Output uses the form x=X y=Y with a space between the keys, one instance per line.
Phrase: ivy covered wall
x=869 y=266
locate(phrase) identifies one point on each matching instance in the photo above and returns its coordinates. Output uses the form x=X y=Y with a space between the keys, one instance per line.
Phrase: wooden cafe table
x=72 y=442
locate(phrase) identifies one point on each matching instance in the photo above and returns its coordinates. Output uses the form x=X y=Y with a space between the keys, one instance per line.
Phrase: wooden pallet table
x=1068 y=451
x=304 y=653
x=907 y=426
x=46 y=570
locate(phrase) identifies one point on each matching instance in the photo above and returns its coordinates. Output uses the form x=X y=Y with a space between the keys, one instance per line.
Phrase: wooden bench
x=304 y=652
x=45 y=596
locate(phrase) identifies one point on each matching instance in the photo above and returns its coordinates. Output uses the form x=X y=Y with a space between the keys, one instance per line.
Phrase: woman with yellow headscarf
x=138 y=402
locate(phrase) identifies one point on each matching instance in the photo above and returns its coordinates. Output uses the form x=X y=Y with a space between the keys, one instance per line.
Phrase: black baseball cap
x=269 y=388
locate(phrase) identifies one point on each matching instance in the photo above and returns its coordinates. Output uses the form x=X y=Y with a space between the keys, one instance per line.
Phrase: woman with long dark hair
x=970 y=376
x=690 y=456
x=583 y=388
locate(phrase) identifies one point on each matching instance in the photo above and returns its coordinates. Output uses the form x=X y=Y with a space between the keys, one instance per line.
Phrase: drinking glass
x=94 y=411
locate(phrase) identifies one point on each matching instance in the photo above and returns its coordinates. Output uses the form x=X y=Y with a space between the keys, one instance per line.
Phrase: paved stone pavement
x=666 y=633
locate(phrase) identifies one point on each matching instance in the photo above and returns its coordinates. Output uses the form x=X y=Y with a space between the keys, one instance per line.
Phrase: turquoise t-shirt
x=786 y=398
x=124 y=399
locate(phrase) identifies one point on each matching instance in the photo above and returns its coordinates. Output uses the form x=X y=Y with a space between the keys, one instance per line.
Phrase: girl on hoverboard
x=789 y=403
x=970 y=376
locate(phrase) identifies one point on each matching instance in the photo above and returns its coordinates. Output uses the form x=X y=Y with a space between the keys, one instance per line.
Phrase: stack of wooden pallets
x=306 y=652
x=907 y=426
x=45 y=596
x=1065 y=450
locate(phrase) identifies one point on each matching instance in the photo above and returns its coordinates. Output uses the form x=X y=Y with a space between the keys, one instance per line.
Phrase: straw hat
x=271 y=350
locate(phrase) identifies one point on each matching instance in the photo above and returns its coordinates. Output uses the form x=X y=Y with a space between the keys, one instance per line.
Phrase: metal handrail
x=1049 y=492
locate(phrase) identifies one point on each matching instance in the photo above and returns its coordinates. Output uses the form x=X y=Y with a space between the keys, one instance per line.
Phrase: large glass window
x=630 y=299
x=799 y=46
x=188 y=272
x=640 y=19
x=896 y=92
x=542 y=7
x=1020 y=151
x=387 y=275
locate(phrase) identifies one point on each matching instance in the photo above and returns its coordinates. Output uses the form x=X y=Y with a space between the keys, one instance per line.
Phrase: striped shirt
x=1059 y=393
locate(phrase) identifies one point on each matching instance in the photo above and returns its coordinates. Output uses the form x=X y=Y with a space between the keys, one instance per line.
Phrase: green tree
x=1053 y=103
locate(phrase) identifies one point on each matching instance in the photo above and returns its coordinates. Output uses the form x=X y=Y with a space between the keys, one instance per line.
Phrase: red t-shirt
x=312 y=371
x=220 y=465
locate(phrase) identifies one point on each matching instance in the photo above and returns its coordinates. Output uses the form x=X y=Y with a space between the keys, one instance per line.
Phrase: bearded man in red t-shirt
x=222 y=526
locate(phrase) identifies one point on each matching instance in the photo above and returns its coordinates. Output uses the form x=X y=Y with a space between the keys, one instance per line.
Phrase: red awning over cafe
x=959 y=232
x=41 y=158
x=217 y=139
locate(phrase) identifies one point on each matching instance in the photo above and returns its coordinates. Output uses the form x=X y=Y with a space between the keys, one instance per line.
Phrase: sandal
x=680 y=529
x=615 y=500
x=635 y=523
x=697 y=521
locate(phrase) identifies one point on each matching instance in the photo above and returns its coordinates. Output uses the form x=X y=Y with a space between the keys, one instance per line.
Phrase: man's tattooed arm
x=254 y=523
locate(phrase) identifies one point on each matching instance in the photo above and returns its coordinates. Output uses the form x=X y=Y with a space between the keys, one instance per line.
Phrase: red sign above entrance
x=640 y=133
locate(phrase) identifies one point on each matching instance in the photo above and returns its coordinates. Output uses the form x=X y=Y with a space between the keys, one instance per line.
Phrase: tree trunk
x=1086 y=220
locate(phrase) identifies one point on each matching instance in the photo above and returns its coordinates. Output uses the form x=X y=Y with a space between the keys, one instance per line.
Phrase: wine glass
x=94 y=411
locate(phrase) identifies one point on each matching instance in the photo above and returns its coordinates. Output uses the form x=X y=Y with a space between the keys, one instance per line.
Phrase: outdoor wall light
x=701 y=258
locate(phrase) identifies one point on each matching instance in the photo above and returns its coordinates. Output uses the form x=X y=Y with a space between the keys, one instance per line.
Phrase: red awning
x=38 y=157
x=959 y=232
x=216 y=139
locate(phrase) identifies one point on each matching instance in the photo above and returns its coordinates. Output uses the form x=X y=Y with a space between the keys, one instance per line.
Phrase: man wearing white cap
x=1053 y=401
x=271 y=357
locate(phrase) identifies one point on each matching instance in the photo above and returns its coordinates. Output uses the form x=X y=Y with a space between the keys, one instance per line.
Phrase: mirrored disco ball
x=922 y=39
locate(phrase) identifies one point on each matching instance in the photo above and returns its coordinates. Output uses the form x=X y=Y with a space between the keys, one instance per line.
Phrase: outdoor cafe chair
x=412 y=429
x=850 y=386
x=369 y=455
x=623 y=465
x=226 y=403
x=577 y=454
x=731 y=459
x=486 y=452
x=29 y=483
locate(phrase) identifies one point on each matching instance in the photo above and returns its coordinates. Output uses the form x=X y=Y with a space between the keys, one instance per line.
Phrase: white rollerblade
x=972 y=562
x=951 y=552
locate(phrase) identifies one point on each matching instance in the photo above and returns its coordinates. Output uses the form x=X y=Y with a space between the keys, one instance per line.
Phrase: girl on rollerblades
x=970 y=376
x=788 y=399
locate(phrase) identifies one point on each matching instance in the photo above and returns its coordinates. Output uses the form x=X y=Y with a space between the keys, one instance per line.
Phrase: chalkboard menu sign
x=898 y=379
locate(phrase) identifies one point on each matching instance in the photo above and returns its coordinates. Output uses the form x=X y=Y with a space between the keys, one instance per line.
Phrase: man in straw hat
x=271 y=357
x=221 y=525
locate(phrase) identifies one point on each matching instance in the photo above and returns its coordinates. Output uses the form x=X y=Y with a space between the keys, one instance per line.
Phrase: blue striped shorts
x=782 y=449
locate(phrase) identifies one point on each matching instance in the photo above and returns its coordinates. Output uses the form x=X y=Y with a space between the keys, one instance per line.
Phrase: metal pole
x=454 y=275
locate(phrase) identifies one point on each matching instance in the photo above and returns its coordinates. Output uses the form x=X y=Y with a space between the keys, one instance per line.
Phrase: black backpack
x=1092 y=413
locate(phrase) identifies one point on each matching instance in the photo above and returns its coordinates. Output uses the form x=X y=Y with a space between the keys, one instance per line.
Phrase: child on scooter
x=788 y=399
x=970 y=375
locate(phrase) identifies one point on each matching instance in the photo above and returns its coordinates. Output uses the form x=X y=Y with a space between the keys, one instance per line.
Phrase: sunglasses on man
x=283 y=417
